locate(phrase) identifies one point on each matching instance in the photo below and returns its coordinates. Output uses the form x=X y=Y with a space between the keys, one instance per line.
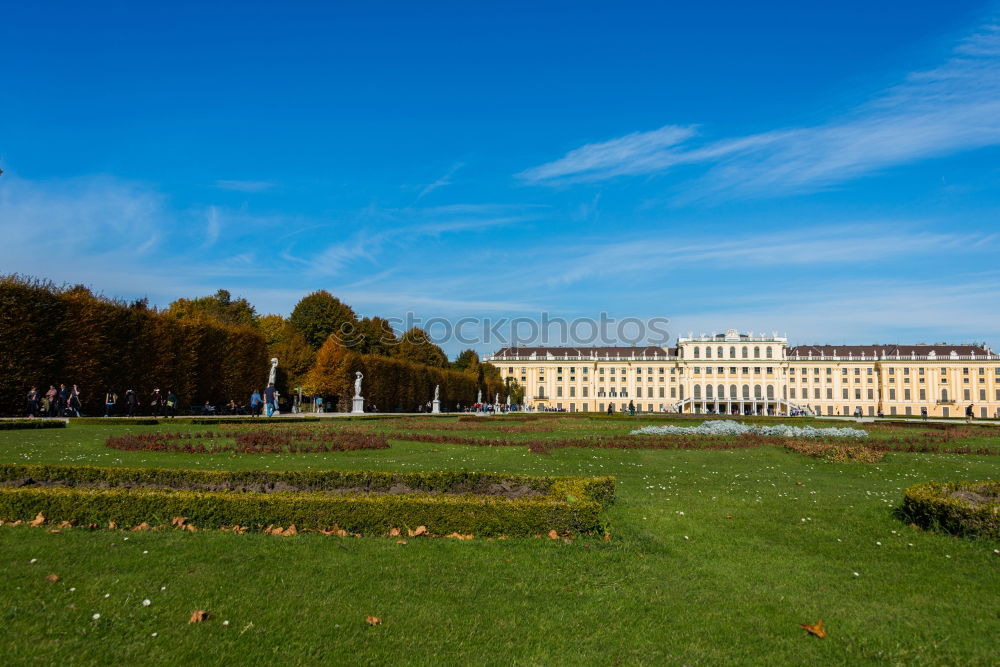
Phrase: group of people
x=61 y=402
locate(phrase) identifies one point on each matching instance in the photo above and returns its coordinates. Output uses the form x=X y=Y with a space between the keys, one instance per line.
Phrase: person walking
x=155 y=402
x=923 y=413
x=969 y=413
x=63 y=400
x=255 y=402
x=171 y=407
x=131 y=402
x=74 y=401
x=110 y=398
x=270 y=399
x=33 y=402
x=52 y=397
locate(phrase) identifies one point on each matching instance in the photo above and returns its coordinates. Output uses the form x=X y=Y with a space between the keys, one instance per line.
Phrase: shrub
x=962 y=508
x=21 y=424
x=444 y=502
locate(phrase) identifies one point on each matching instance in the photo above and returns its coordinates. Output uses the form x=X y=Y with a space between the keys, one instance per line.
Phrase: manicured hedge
x=120 y=421
x=572 y=504
x=937 y=505
x=596 y=489
x=22 y=424
x=442 y=515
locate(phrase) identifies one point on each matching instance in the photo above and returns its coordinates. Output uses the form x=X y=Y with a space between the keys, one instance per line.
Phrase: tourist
x=270 y=399
x=155 y=402
x=110 y=398
x=923 y=413
x=969 y=413
x=63 y=399
x=131 y=402
x=171 y=404
x=52 y=400
x=255 y=403
x=74 y=401
x=319 y=405
x=33 y=402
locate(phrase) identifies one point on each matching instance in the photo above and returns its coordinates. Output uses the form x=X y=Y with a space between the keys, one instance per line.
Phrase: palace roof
x=939 y=350
x=610 y=352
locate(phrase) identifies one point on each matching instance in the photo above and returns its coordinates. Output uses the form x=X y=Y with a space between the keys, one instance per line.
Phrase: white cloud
x=945 y=110
x=244 y=186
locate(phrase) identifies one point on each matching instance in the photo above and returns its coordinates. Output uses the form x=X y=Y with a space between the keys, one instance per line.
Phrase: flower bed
x=963 y=508
x=358 y=501
x=723 y=427
x=266 y=441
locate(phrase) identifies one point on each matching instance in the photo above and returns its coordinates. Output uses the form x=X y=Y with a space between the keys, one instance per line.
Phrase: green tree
x=467 y=360
x=220 y=307
x=375 y=336
x=416 y=348
x=320 y=315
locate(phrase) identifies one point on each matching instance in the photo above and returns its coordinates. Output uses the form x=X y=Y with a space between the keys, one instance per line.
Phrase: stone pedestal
x=359 y=406
x=436 y=407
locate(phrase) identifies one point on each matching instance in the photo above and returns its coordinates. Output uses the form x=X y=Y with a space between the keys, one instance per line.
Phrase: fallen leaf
x=92 y=526
x=798 y=483
x=420 y=530
x=607 y=537
x=190 y=527
x=277 y=530
x=553 y=535
x=66 y=524
x=112 y=525
x=400 y=541
x=341 y=532
x=394 y=532
x=54 y=530
x=729 y=516
x=291 y=530
x=178 y=521
x=199 y=615
x=38 y=520
x=372 y=620
x=53 y=578
x=239 y=530
x=141 y=526
x=816 y=630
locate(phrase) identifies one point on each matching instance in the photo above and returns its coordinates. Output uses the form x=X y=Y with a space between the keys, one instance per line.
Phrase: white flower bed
x=726 y=427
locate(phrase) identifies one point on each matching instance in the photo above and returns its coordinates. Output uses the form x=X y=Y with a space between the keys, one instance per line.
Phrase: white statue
x=496 y=399
x=357 y=384
x=437 y=392
x=272 y=378
x=508 y=400
x=479 y=397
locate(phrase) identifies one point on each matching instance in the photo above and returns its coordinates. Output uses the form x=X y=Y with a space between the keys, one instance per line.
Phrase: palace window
x=892 y=394
x=661 y=392
x=745 y=352
x=559 y=391
x=923 y=394
x=756 y=353
x=906 y=394
x=844 y=393
x=857 y=394
x=829 y=393
x=572 y=392
x=732 y=352
x=697 y=352
x=791 y=392
x=756 y=370
x=719 y=350
x=708 y=352
x=944 y=394
x=768 y=352
x=585 y=392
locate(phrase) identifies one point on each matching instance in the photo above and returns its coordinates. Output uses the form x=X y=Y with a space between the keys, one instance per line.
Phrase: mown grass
x=678 y=583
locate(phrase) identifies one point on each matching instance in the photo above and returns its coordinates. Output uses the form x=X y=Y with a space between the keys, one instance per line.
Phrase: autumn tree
x=415 y=347
x=320 y=315
x=375 y=336
x=220 y=307
x=468 y=361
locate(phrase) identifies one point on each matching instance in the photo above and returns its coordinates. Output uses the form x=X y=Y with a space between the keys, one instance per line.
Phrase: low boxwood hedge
x=21 y=424
x=962 y=508
x=366 y=514
x=444 y=502
x=596 y=489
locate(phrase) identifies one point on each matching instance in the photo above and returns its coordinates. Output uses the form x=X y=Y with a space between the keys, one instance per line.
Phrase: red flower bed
x=256 y=442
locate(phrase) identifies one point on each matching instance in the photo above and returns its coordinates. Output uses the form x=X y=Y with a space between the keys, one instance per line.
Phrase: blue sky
x=827 y=172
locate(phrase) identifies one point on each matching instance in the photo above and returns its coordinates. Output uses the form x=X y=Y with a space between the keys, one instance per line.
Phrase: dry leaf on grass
x=141 y=526
x=394 y=532
x=815 y=630
x=553 y=535
x=178 y=521
x=53 y=578
x=291 y=530
x=400 y=541
x=112 y=525
x=372 y=620
x=607 y=537
x=199 y=615
x=420 y=530
x=190 y=527
x=38 y=520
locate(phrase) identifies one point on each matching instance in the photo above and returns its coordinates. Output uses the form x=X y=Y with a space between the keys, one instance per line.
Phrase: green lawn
x=679 y=583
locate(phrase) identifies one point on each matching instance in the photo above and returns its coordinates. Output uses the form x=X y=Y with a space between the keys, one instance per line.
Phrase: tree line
x=216 y=348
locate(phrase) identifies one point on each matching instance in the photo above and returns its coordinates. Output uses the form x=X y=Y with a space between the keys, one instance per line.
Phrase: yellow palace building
x=745 y=373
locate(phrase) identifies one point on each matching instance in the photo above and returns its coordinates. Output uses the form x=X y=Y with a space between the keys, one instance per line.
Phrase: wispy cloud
x=244 y=186
x=439 y=183
x=952 y=108
x=846 y=244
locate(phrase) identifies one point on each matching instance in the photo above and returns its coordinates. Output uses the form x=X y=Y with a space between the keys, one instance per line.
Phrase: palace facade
x=745 y=373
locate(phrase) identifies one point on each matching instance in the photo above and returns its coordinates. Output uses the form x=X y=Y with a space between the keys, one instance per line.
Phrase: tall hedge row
x=50 y=335
x=392 y=384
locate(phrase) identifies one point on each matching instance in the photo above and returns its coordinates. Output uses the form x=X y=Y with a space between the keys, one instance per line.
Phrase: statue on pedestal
x=357 y=384
x=437 y=392
x=272 y=377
